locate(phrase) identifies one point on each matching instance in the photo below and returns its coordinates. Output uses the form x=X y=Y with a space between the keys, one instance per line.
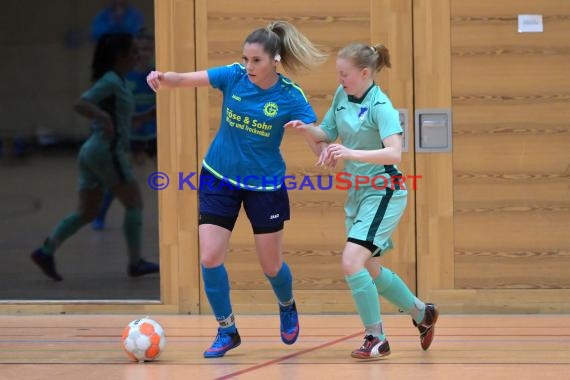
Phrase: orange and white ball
x=143 y=339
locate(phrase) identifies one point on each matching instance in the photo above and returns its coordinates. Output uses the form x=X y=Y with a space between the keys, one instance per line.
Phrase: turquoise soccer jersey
x=362 y=125
x=103 y=161
x=245 y=150
x=112 y=94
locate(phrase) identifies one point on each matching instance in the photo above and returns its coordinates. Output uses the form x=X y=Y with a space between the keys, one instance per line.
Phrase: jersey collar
x=354 y=99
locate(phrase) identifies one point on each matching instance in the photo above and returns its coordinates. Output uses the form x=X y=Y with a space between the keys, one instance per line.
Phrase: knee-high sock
x=217 y=286
x=64 y=229
x=132 y=228
x=282 y=285
x=365 y=296
x=395 y=290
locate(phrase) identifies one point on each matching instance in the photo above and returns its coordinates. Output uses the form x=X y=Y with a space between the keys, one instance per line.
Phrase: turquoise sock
x=365 y=296
x=65 y=229
x=282 y=284
x=395 y=290
x=132 y=228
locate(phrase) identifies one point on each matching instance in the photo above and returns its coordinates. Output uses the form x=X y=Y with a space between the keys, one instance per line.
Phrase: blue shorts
x=220 y=203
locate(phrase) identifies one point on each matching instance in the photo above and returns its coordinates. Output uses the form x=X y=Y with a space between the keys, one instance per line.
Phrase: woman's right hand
x=297 y=125
x=325 y=158
x=154 y=78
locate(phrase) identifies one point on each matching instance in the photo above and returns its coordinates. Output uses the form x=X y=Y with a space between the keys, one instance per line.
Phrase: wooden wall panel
x=434 y=198
x=511 y=145
x=176 y=51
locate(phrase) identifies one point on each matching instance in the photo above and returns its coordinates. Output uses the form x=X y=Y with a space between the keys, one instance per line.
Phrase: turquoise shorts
x=372 y=216
x=99 y=166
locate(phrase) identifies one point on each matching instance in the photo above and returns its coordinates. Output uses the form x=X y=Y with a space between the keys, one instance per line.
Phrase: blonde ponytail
x=282 y=41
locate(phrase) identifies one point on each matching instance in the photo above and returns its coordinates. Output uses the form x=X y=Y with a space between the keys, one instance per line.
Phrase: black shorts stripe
x=380 y=212
x=366 y=244
x=393 y=172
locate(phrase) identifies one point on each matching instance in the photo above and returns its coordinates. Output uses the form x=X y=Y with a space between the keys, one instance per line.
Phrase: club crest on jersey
x=362 y=113
x=270 y=109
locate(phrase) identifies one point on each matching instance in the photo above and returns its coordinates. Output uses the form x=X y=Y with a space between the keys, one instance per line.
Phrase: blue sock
x=282 y=285
x=217 y=286
x=105 y=204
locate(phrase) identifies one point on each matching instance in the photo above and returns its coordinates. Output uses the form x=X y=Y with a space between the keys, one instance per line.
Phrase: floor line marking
x=286 y=357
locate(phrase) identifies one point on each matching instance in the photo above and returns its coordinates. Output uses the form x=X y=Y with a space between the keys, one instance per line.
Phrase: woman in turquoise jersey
x=368 y=126
x=102 y=160
x=244 y=166
x=143 y=133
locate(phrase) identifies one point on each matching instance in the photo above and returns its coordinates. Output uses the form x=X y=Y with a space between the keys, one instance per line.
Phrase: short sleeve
x=100 y=90
x=220 y=76
x=388 y=120
x=302 y=109
x=328 y=125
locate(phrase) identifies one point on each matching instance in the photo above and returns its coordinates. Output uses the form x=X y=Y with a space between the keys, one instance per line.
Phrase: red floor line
x=286 y=357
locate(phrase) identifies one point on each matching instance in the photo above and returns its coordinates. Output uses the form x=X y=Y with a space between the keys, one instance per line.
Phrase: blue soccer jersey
x=145 y=99
x=245 y=150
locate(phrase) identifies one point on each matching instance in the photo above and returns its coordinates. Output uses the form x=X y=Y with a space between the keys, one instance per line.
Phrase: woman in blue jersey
x=244 y=166
x=143 y=135
x=368 y=127
x=102 y=159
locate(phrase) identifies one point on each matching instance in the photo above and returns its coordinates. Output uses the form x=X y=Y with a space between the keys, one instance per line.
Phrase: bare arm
x=309 y=131
x=317 y=140
x=91 y=111
x=94 y=112
x=170 y=79
x=316 y=147
x=389 y=155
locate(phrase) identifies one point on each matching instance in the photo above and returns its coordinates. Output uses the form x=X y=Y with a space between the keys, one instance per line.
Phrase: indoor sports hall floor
x=466 y=347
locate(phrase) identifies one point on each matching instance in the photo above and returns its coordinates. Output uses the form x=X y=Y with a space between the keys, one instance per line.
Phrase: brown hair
x=283 y=39
x=374 y=57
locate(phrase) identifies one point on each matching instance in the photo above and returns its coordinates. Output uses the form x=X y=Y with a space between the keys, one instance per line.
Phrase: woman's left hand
x=337 y=151
x=325 y=158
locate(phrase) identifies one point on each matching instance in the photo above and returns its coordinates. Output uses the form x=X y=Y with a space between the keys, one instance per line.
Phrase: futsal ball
x=143 y=339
